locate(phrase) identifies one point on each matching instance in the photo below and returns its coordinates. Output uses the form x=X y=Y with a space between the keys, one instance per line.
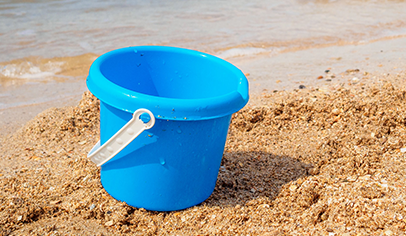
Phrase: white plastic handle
x=101 y=154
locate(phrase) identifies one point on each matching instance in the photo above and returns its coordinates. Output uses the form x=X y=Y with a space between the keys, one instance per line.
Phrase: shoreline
x=289 y=70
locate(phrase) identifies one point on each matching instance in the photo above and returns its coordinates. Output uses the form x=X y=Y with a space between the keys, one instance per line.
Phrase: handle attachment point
x=102 y=154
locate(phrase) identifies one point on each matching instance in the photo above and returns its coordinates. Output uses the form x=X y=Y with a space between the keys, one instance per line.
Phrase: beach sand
x=325 y=161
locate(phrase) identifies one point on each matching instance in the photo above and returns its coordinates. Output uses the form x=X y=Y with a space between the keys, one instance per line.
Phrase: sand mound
x=303 y=163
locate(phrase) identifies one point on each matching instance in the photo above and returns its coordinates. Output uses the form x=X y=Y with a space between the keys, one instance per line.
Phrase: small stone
x=263 y=206
x=109 y=223
x=83 y=142
x=388 y=232
x=142 y=209
x=253 y=190
x=19 y=218
x=35 y=158
x=365 y=177
x=323 y=90
x=352 y=178
x=313 y=171
x=320 y=77
x=352 y=70
x=278 y=81
x=335 y=111
x=292 y=187
x=92 y=207
x=355 y=80
x=327 y=71
x=403 y=149
x=302 y=86
x=240 y=164
x=55 y=202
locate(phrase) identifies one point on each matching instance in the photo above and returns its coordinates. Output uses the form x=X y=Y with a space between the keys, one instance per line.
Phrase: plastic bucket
x=192 y=95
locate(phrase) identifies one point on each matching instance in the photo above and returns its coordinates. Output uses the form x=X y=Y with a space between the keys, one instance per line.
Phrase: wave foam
x=239 y=52
x=28 y=70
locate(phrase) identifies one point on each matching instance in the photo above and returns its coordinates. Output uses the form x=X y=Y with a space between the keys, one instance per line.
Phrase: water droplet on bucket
x=130 y=131
x=139 y=64
x=119 y=141
x=135 y=51
x=179 y=131
x=163 y=62
x=162 y=161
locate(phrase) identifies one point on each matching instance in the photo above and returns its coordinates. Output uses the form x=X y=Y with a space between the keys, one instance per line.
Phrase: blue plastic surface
x=173 y=165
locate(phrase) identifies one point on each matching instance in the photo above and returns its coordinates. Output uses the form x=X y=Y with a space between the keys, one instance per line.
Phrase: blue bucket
x=192 y=95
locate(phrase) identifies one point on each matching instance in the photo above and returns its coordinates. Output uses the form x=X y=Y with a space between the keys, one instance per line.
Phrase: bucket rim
x=162 y=107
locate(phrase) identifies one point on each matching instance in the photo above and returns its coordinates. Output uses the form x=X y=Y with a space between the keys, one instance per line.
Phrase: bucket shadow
x=244 y=176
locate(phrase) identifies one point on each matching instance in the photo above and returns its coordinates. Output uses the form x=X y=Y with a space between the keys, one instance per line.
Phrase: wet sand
x=313 y=161
x=306 y=64
x=60 y=82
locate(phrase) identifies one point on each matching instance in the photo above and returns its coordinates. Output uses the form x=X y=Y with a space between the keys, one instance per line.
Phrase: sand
x=325 y=161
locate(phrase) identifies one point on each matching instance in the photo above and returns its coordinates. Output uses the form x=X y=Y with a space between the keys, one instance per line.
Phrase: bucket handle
x=101 y=154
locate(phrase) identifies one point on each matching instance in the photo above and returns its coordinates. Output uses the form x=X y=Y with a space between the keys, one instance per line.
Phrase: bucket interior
x=170 y=74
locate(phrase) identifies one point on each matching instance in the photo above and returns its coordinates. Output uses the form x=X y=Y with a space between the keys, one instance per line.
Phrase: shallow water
x=68 y=28
x=253 y=35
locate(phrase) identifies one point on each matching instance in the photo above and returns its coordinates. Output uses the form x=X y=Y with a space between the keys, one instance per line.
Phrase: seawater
x=69 y=27
x=33 y=32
